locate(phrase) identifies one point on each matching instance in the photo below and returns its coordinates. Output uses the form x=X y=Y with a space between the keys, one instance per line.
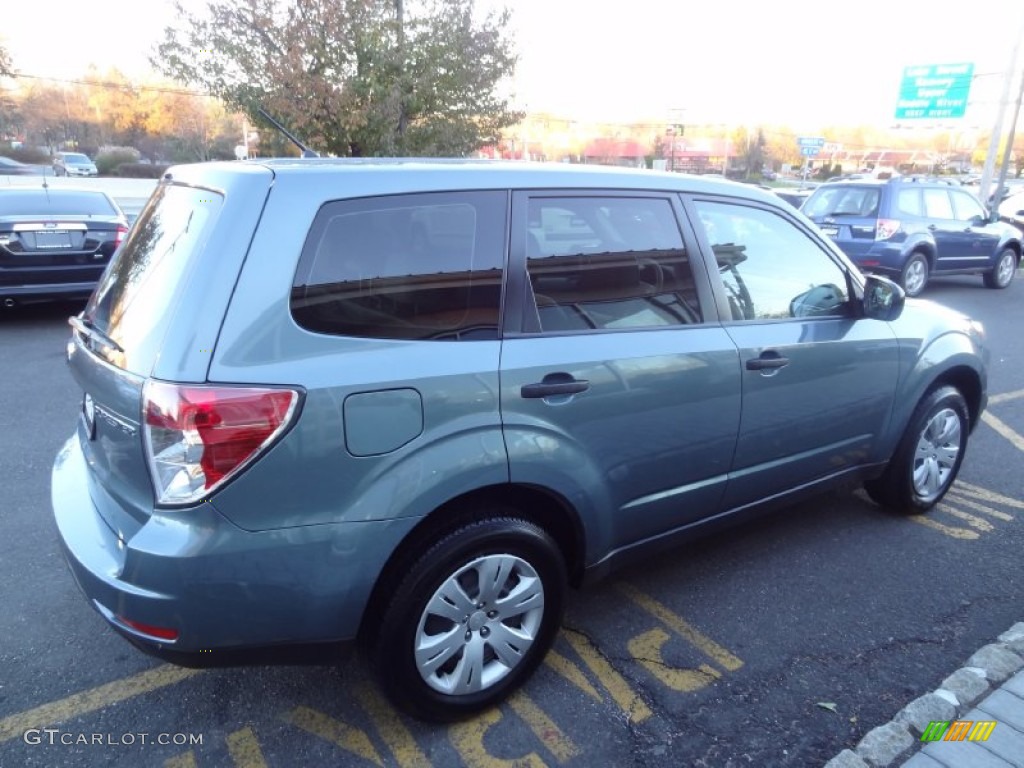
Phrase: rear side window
x=936 y=204
x=608 y=263
x=908 y=202
x=416 y=267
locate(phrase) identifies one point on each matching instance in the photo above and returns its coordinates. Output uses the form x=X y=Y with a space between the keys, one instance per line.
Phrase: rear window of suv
x=137 y=295
x=420 y=266
x=843 y=200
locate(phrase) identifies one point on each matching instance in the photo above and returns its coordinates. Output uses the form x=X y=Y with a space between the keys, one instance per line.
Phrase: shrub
x=140 y=170
x=110 y=158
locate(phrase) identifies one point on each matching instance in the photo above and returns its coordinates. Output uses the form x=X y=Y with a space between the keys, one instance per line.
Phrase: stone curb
x=892 y=743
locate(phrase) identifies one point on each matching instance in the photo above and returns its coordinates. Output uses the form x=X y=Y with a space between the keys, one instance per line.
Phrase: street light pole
x=997 y=196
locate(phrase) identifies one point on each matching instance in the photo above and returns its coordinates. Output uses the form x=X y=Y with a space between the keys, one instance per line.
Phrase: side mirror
x=883 y=299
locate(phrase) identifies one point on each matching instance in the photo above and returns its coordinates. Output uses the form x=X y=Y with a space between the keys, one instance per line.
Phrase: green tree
x=353 y=77
x=6 y=67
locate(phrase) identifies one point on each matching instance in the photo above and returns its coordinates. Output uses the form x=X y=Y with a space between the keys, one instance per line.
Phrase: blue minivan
x=410 y=403
x=912 y=228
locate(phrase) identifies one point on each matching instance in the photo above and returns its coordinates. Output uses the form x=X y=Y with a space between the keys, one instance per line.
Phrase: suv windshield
x=136 y=297
x=843 y=200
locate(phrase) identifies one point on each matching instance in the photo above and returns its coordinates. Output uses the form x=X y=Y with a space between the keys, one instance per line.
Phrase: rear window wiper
x=845 y=213
x=93 y=333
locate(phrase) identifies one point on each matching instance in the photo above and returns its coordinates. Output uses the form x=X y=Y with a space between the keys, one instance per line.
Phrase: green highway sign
x=934 y=91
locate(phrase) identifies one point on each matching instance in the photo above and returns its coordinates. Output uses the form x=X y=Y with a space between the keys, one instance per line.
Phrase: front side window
x=967 y=207
x=423 y=267
x=608 y=263
x=771 y=269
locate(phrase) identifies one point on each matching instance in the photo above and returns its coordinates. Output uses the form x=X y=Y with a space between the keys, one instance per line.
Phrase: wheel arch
x=537 y=505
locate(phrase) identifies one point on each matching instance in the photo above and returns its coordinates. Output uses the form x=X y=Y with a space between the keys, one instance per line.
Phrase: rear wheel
x=928 y=457
x=915 y=274
x=1002 y=273
x=473 y=618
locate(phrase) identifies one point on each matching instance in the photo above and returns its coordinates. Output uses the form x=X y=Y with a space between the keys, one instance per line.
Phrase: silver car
x=73 y=164
x=410 y=403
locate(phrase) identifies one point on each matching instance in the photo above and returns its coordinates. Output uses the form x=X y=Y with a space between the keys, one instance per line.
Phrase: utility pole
x=993 y=142
x=997 y=196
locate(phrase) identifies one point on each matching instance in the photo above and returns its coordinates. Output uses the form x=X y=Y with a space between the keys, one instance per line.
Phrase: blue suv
x=911 y=228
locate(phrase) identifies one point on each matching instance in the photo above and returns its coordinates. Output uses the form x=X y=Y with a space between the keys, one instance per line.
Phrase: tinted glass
x=936 y=204
x=966 y=206
x=71 y=157
x=608 y=263
x=54 y=202
x=843 y=201
x=908 y=201
x=422 y=266
x=771 y=269
x=135 y=297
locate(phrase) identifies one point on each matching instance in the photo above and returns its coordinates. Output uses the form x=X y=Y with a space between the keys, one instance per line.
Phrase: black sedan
x=55 y=243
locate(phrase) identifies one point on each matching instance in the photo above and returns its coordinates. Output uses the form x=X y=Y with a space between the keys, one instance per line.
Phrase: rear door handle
x=767 y=361
x=555 y=384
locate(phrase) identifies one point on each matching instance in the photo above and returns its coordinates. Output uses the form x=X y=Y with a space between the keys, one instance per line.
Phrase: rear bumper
x=219 y=587
x=46 y=290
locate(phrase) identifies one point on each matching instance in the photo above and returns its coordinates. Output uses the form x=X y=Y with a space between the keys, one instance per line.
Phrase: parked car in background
x=410 y=402
x=1011 y=210
x=9 y=167
x=914 y=228
x=55 y=243
x=73 y=164
x=795 y=197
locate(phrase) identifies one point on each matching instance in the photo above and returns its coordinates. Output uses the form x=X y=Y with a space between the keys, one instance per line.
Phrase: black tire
x=915 y=274
x=896 y=489
x=1001 y=275
x=502 y=539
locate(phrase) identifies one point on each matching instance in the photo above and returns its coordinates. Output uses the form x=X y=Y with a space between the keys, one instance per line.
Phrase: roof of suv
x=494 y=173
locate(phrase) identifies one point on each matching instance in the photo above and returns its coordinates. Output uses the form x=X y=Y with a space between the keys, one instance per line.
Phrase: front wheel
x=1002 y=273
x=915 y=274
x=472 y=619
x=928 y=457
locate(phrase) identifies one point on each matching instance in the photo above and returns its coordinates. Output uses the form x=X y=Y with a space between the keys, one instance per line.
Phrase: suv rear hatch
x=156 y=313
x=848 y=213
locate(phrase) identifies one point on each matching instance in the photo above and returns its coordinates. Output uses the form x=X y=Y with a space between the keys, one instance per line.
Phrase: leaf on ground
x=830 y=706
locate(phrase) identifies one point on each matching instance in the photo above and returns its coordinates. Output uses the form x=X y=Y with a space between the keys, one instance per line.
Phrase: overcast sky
x=800 y=62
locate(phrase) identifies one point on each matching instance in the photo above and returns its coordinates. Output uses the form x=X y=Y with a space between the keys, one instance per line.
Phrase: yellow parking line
x=614 y=683
x=544 y=728
x=950 y=530
x=972 y=520
x=1004 y=430
x=1006 y=396
x=987 y=495
x=468 y=739
x=391 y=728
x=187 y=760
x=85 y=702
x=345 y=736
x=966 y=501
x=245 y=750
x=693 y=636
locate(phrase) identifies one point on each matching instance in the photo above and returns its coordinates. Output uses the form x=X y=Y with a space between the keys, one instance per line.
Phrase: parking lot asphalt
x=781 y=641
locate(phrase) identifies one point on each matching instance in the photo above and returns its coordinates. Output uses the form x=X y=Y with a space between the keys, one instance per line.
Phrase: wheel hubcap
x=915 y=277
x=1005 y=269
x=479 y=624
x=936 y=455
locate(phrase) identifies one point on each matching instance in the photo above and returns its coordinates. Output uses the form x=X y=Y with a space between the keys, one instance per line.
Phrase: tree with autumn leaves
x=353 y=77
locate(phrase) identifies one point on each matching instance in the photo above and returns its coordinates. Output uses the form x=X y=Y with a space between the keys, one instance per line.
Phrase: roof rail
x=925 y=179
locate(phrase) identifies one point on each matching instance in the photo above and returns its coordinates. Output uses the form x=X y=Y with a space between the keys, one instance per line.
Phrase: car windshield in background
x=41 y=202
x=73 y=158
x=843 y=201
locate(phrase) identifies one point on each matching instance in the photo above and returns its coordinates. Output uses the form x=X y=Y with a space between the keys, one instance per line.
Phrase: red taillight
x=161 y=633
x=122 y=231
x=886 y=228
x=199 y=436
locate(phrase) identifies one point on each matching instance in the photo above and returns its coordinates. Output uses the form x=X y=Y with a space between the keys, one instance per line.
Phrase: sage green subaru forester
x=411 y=402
